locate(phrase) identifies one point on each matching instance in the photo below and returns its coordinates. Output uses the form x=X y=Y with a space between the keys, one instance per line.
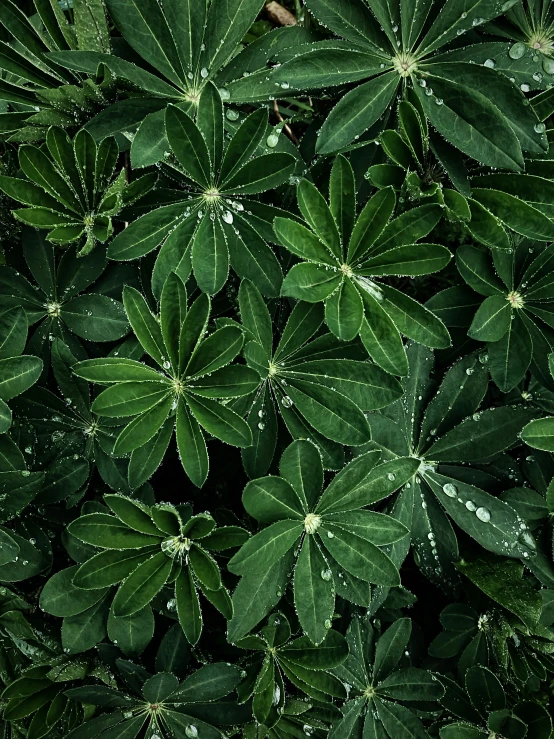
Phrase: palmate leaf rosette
x=62 y=304
x=485 y=709
x=385 y=688
x=345 y=257
x=444 y=428
x=145 y=548
x=386 y=46
x=211 y=222
x=185 y=391
x=71 y=188
x=319 y=385
x=179 y=48
x=276 y=657
x=336 y=542
x=516 y=317
x=159 y=704
x=40 y=92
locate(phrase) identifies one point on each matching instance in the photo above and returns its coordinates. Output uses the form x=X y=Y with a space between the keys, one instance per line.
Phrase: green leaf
x=359 y=557
x=255 y=595
x=103 y=530
x=381 y=337
x=60 y=597
x=95 y=317
x=483 y=435
x=85 y=630
x=265 y=548
x=390 y=647
x=210 y=255
x=356 y=112
x=469 y=120
x=539 y=434
x=344 y=311
x=314 y=593
x=399 y=721
x=491 y=522
x=146 y=233
x=130 y=398
x=492 y=319
x=188 y=606
x=191 y=445
x=260 y=174
x=220 y=421
x=516 y=214
x=17 y=374
x=144 y=324
x=145 y=28
x=272 y=499
x=329 y=412
x=414 y=320
x=502 y=580
x=318 y=215
x=363 y=482
x=110 y=567
x=132 y=634
x=371 y=223
x=142 y=585
x=342 y=197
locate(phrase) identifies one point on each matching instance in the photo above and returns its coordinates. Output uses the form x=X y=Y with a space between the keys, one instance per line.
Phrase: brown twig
x=288 y=130
x=279 y=15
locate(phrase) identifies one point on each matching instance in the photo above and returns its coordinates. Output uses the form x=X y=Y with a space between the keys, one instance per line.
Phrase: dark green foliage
x=276 y=369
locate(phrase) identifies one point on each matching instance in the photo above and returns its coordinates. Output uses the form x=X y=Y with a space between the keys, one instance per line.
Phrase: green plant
x=276 y=369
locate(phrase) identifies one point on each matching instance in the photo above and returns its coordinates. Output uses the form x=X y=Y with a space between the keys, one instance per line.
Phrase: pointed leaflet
x=318 y=215
x=272 y=499
x=371 y=223
x=414 y=320
x=144 y=324
x=188 y=606
x=142 y=585
x=471 y=122
x=344 y=311
x=342 y=197
x=210 y=122
x=210 y=255
x=188 y=145
x=144 y=26
x=191 y=445
x=314 y=591
x=356 y=112
x=301 y=466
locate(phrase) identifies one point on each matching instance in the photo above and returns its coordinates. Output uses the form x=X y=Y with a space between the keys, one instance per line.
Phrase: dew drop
x=272 y=140
x=326 y=575
x=483 y=514
x=449 y=489
x=539 y=127
x=227 y=216
x=548 y=65
x=517 y=50
x=287 y=402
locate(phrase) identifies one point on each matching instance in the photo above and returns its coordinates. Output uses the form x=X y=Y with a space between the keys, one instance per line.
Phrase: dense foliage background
x=276 y=369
